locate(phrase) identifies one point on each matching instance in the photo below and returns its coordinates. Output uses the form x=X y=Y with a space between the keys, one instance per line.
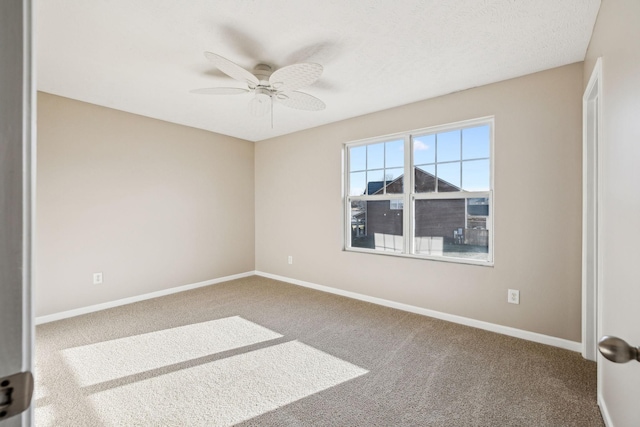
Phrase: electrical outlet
x=513 y=296
x=290 y=260
x=97 y=278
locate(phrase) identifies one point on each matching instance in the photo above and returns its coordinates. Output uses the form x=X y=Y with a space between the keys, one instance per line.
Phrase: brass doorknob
x=617 y=350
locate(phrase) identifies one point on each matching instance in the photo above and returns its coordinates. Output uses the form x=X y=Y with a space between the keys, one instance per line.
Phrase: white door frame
x=592 y=212
x=17 y=181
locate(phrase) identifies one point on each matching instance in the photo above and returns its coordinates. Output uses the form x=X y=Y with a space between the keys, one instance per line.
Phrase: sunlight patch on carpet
x=110 y=360
x=226 y=391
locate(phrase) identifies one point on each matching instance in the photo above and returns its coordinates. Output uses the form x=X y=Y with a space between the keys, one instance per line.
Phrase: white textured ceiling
x=143 y=56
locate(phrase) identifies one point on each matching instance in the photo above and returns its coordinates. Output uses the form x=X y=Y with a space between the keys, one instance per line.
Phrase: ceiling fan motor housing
x=263 y=72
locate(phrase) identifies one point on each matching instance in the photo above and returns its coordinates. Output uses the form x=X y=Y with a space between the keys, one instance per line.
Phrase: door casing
x=591 y=213
x=17 y=179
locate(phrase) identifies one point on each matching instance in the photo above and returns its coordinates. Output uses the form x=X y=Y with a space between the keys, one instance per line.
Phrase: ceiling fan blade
x=220 y=91
x=231 y=69
x=296 y=76
x=300 y=101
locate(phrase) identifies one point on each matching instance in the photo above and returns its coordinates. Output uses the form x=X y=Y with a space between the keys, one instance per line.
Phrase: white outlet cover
x=97 y=278
x=513 y=296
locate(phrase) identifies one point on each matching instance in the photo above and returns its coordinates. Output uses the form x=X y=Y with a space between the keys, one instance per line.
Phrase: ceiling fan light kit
x=268 y=86
x=261 y=102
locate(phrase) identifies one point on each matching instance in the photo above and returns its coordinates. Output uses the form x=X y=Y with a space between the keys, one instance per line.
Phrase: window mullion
x=466 y=214
x=408 y=189
x=460 y=163
x=366 y=171
x=452 y=195
x=435 y=166
x=490 y=226
x=384 y=168
x=347 y=202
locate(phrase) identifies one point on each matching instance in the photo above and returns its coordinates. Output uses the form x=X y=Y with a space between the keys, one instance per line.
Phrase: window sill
x=469 y=261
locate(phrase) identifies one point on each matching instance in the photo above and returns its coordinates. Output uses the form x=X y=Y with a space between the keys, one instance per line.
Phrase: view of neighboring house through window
x=443 y=210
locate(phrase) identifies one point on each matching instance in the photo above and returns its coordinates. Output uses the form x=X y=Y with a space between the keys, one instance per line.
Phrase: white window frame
x=409 y=196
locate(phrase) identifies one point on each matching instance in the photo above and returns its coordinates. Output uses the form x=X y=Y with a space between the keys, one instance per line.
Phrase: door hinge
x=15 y=394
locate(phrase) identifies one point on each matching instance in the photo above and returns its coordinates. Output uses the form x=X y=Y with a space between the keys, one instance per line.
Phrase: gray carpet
x=258 y=352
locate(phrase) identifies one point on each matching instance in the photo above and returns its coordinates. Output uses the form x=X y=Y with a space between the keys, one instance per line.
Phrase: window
x=426 y=193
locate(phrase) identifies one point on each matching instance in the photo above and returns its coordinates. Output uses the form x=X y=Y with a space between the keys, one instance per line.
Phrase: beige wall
x=155 y=205
x=150 y=204
x=616 y=38
x=299 y=208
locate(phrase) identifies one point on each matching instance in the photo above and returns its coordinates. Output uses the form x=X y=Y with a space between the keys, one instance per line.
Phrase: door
x=619 y=201
x=618 y=393
x=16 y=95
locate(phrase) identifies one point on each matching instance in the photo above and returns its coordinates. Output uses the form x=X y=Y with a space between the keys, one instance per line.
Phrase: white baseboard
x=604 y=411
x=505 y=330
x=92 y=308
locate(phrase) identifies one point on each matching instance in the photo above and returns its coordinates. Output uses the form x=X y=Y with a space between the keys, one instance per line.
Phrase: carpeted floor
x=258 y=352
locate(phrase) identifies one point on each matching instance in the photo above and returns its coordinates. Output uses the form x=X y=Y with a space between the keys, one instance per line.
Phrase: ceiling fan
x=268 y=86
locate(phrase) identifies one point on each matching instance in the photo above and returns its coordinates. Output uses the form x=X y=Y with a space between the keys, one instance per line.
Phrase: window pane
x=394 y=180
x=359 y=237
x=375 y=156
x=476 y=235
x=385 y=226
x=435 y=224
x=394 y=152
x=475 y=175
x=424 y=149
x=374 y=225
x=425 y=179
x=358 y=158
x=442 y=229
x=375 y=182
x=448 y=177
x=475 y=142
x=448 y=146
x=477 y=213
x=357 y=183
